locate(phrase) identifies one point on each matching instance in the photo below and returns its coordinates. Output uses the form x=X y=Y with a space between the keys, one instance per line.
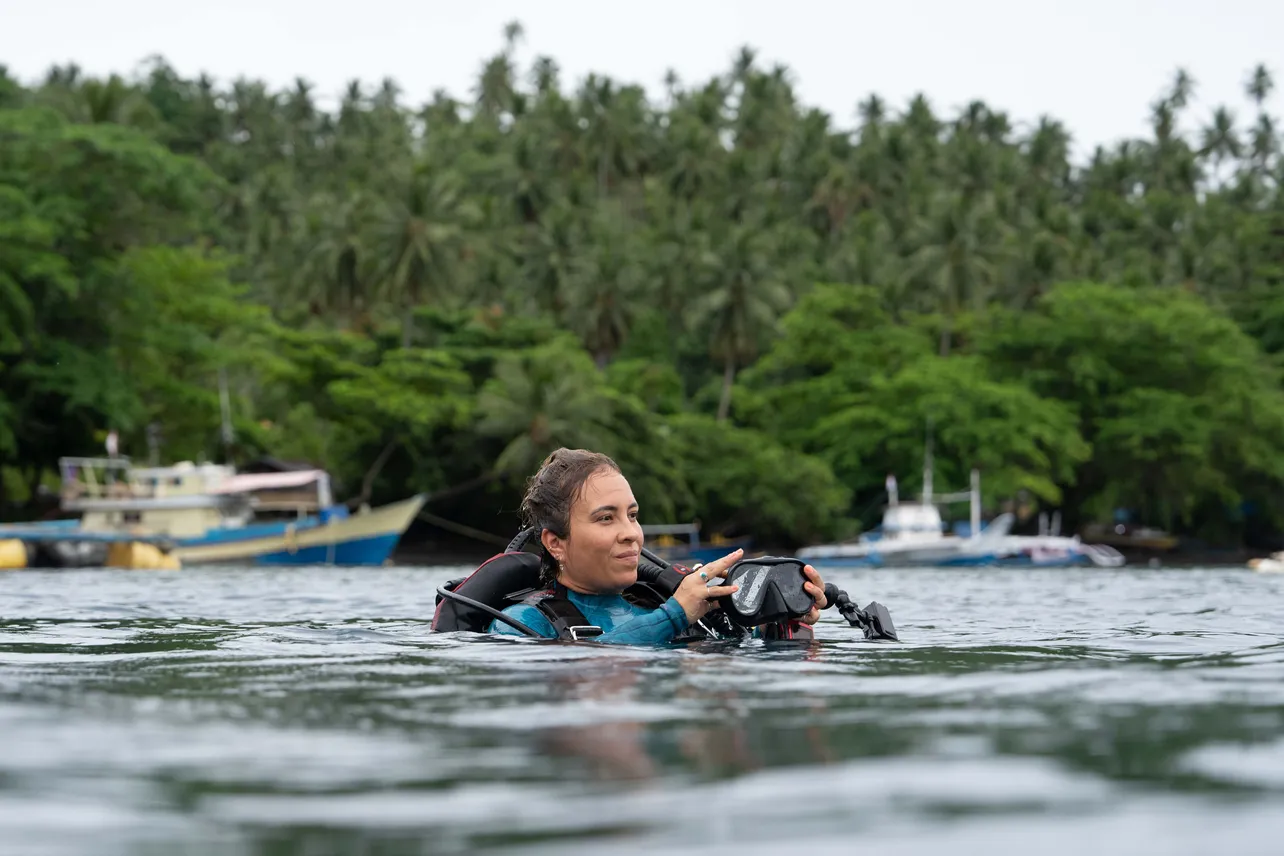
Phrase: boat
x=1129 y=537
x=1272 y=564
x=1052 y=551
x=212 y=514
x=913 y=534
x=691 y=551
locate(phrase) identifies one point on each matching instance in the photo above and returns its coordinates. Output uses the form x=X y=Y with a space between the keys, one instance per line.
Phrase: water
x=310 y=711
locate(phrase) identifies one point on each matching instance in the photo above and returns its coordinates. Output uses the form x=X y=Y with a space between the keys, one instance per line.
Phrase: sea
x=308 y=711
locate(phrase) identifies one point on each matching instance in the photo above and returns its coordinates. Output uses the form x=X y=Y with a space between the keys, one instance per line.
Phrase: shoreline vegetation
x=756 y=309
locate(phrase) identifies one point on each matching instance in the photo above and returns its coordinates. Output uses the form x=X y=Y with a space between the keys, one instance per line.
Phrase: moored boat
x=913 y=534
x=211 y=514
x=1272 y=564
x=365 y=538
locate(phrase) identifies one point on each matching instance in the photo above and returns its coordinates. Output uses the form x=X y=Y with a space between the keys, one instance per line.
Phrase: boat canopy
x=250 y=482
x=912 y=520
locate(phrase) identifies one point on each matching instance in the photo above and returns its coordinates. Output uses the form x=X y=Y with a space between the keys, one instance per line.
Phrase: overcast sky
x=1095 y=65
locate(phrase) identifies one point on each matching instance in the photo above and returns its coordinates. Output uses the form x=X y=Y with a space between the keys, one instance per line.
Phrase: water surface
x=311 y=711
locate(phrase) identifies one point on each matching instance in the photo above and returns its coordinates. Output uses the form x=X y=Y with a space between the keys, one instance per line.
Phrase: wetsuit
x=622 y=623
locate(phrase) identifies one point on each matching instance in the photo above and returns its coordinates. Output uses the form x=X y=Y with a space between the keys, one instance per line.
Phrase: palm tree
x=536 y=403
x=334 y=272
x=1220 y=140
x=615 y=123
x=746 y=291
x=958 y=256
x=421 y=234
x=607 y=283
x=1260 y=85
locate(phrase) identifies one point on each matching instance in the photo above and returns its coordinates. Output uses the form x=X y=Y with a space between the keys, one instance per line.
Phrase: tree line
x=758 y=311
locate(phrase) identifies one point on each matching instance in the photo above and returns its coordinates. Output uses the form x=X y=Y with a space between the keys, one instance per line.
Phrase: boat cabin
x=184 y=500
x=912 y=522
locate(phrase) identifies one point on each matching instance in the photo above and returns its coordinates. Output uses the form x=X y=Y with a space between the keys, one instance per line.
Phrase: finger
x=702 y=577
x=812 y=616
x=720 y=591
x=817 y=595
x=719 y=567
x=814 y=575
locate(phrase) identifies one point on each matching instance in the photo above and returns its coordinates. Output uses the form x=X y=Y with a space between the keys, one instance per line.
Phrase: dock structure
x=62 y=544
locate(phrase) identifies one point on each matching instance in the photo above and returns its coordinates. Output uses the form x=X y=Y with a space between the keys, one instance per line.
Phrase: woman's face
x=600 y=552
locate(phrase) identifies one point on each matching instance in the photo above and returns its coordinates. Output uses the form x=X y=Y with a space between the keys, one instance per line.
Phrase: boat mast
x=975 y=503
x=225 y=411
x=927 y=466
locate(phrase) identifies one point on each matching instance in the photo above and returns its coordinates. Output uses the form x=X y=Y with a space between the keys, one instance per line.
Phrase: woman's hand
x=815 y=587
x=695 y=595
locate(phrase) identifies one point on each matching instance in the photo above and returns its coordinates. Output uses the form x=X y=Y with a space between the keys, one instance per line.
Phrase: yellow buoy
x=13 y=554
x=140 y=556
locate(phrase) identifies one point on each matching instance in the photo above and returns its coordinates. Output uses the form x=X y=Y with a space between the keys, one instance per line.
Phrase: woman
x=588 y=522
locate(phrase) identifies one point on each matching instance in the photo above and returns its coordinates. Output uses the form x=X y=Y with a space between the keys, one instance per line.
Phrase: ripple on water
x=256 y=711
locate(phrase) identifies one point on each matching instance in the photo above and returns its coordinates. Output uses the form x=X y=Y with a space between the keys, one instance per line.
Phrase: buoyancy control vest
x=471 y=603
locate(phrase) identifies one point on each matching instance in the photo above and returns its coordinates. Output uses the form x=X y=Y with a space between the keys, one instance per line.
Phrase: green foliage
x=1020 y=441
x=756 y=312
x=1179 y=405
x=180 y=320
x=858 y=391
x=657 y=386
x=8 y=442
x=740 y=481
x=409 y=393
x=106 y=325
x=28 y=254
x=835 y=344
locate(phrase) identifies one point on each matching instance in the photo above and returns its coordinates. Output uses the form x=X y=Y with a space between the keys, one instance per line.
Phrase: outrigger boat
x=211 y=514
x=913 y=535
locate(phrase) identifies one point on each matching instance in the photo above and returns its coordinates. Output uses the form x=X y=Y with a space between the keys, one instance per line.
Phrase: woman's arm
x=649 y=628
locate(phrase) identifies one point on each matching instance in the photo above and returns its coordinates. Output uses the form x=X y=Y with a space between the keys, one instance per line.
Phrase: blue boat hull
x=362 y=551
x=334 y=538
x=876 y=561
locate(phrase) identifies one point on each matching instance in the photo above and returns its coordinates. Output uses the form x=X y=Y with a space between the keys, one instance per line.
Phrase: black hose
x=499 y=616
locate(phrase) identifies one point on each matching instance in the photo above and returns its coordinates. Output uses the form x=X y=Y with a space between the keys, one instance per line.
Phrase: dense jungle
x=759 y=309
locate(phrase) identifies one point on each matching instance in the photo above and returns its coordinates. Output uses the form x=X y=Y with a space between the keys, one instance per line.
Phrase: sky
x=1096 y=66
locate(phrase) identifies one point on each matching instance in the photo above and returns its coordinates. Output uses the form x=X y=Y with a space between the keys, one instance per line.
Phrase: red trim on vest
x=436 y=613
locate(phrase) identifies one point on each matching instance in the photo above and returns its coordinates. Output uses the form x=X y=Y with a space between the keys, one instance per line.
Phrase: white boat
x=209 y=513
x=914 y=535
x=1272 y=564
x=1052 y=551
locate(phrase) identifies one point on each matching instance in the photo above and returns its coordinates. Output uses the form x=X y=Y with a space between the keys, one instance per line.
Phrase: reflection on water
x=310 y=711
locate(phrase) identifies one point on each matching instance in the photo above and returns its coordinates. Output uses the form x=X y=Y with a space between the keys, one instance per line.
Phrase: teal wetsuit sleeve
x=650 y=627
x=528 y=615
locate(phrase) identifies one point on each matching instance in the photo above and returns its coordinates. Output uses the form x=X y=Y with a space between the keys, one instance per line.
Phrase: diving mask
x=771 y=590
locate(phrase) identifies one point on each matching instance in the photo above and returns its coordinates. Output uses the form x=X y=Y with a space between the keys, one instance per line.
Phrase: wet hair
x=553 y=490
